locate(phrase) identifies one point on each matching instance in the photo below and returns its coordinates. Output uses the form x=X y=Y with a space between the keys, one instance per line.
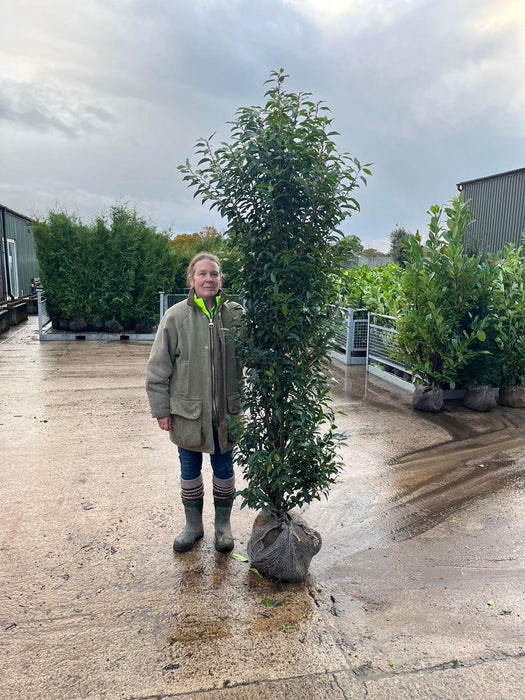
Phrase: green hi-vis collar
x=202 y=306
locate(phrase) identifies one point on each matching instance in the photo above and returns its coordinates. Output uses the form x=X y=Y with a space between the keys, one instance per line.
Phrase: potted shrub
x=439 y=321
x=480 y=378
x=284 y=188
x=509 y=304
x=482 y=373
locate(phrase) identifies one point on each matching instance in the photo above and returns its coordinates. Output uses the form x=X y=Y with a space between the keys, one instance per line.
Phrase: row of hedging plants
x=460 y=317
x=105 y=275
x=375 y=289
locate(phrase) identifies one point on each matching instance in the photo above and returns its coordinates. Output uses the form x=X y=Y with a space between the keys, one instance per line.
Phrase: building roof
x=489 y=177
x=15 y=213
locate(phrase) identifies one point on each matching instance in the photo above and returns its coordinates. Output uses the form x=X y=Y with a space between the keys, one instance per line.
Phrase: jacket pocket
x=234 y=417
x=186 y=424
x=234 y=404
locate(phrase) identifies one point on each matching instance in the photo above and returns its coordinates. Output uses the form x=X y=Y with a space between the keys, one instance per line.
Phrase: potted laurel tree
x=284 y=189
x=509 y=304
x=481 y=376
x=438 y=323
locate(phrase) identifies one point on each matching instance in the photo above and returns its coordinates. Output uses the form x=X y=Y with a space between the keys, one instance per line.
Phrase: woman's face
x=206 y=279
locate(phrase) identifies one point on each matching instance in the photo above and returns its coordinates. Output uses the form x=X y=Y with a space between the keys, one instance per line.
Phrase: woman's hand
x=164 y=423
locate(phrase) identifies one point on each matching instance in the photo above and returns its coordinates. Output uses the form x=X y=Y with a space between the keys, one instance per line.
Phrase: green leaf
x=239 y=557
x=481 y=335
x=490 y=602
x=268 y=603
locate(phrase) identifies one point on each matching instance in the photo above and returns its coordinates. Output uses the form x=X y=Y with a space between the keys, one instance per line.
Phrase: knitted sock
x=192 y=489
x=223 y=489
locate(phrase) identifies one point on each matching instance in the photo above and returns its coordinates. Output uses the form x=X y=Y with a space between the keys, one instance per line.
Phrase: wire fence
x=362 y=338
x=383 y=352
x=43 y=317
x=170 y=299
x=351 y=336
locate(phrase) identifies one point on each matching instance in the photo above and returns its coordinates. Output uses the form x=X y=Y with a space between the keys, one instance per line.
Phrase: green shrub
x=375 y=289
x=441 y=321
x=509 y=307
x=62 y=245
x=111 y=269
x=284 y=188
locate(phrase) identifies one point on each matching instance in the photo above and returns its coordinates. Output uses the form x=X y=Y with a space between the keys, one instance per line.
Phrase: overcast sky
x=101 y=100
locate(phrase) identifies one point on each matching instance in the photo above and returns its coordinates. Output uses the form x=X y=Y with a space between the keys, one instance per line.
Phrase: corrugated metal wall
x=18 y=229
x=498 y=204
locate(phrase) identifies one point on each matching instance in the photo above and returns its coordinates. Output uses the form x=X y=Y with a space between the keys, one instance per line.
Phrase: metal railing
x=351 y=336
x=382 y=348
x=47 y=332
x=43 y=316
x=170 y=299
x=166 y=300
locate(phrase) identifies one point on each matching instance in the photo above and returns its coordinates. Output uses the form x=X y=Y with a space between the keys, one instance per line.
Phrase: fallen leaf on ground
x=239 y=557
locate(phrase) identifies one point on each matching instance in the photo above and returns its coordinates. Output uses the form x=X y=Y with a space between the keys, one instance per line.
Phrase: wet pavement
x=417 y=592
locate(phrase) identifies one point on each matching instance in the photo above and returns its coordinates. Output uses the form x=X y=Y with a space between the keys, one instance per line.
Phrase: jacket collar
x=191 y=301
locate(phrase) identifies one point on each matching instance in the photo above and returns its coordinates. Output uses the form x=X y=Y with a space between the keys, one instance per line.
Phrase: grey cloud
x=42 y=109
x=150 y=77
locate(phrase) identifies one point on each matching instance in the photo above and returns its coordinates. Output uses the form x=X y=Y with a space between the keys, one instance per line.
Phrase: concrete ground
x=417 y=592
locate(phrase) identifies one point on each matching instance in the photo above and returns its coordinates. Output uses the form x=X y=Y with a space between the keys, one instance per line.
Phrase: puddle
x=404 y=495
x=444 y=488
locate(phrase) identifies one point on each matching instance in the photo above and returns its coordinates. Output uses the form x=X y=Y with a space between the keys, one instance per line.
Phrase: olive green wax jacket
x=193 y=374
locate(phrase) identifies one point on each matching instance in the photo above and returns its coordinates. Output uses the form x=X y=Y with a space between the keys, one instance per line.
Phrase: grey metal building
x=498 y=205
x=18 y=265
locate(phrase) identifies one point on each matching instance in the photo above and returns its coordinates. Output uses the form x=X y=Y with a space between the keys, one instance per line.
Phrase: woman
x=192 y=380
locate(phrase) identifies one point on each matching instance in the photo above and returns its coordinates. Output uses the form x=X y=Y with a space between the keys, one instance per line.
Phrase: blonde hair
x=203 y=255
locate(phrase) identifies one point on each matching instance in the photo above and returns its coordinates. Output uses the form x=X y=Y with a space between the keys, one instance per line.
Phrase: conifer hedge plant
x=105 y=274
x=284 y=188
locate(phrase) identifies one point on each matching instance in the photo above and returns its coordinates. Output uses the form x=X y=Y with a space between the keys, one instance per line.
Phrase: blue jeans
x=191 y=462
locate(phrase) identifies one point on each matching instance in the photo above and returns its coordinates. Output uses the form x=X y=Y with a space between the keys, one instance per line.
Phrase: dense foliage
x=284 y=188
x=509 y=314
x=375 y=289
x=111 y=269
x=349 y=248
x=441 y=321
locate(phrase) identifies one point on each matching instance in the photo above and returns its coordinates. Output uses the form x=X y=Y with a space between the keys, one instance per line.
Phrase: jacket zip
x=215 y=409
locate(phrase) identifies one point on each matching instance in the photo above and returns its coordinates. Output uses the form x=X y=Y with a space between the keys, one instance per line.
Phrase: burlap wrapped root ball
x=281 y=547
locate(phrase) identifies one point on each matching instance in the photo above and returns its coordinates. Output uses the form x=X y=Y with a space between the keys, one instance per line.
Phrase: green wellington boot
x=223 y=532
x=193 y=530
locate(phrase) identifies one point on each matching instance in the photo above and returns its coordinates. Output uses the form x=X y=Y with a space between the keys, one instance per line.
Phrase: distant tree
x=185 y=245
x=373 y=253
x=398 y=244
x=349 y=247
